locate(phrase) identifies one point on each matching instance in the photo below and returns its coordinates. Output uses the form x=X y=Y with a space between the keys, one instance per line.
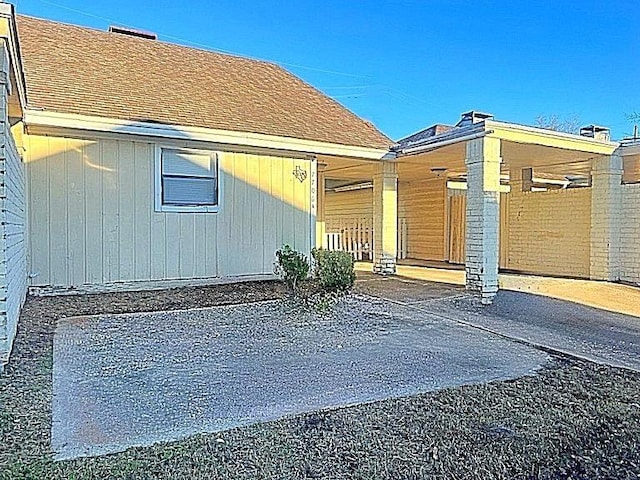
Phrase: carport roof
x=522 y=146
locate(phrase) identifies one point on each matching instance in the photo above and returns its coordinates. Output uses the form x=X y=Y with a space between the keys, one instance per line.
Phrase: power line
x=383 y=89
x=197 y=44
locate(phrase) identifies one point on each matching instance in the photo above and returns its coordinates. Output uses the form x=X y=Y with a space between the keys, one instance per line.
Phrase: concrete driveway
x=613 y=297
x=136 y=379
x=570 y=327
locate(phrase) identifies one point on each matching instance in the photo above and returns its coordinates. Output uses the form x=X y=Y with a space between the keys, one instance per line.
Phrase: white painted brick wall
x=549 y=232
x=630 y=234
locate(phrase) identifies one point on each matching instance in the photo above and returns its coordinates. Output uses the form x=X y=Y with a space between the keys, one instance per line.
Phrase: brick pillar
x=483 y=217
x=385 y=218
x=320 y=203
x=606 y=201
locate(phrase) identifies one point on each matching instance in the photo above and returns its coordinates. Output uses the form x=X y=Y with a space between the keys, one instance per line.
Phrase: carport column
x=606 y=199
x=483 y=216
x=385 y=218
x=320 y=218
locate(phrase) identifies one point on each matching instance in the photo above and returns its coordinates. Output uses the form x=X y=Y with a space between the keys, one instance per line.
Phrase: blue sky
x=407 y=64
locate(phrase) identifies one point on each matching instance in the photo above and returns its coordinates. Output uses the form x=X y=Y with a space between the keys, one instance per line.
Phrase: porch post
x=320 y=218
x=385 y=218
x=483 y=216
x=606 y=199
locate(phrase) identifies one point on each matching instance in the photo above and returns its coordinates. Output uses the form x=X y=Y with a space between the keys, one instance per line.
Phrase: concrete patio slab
x=137 y=379
x=403 y=289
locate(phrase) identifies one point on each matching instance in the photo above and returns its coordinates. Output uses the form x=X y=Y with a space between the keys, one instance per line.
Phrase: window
x=186 y=180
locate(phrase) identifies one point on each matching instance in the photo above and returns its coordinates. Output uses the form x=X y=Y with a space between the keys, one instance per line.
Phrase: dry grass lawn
x=573 y=420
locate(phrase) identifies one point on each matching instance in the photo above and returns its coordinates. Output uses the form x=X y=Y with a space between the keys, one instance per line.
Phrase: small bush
x=333 y=269
x=292 y=266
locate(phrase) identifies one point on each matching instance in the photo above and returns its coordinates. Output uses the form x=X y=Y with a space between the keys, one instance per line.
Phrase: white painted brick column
x=483 y=217
x=606 y=205
x=385 y=218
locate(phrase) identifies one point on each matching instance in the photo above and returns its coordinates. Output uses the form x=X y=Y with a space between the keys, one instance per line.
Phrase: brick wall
x=630 y=234
x=549 y=232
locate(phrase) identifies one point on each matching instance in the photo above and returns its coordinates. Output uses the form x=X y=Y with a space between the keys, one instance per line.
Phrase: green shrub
x=292 y=266
x=333 y=269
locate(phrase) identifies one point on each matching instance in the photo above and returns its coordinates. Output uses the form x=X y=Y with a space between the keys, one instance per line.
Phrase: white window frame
x=161 y=207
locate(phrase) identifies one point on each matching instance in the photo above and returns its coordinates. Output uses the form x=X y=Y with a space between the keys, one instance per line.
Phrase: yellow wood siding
x=356 y=204
x=550 y=232
x=92 y=218
x=422 y=204
x=457 y=227
x=631 y=170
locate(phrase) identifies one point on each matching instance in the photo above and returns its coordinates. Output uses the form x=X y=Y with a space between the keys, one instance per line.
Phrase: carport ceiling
x=541 y=158
x=420 y=165
x=546 y=159
x=341 y=168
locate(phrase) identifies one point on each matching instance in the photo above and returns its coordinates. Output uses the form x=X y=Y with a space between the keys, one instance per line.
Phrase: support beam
x=385 y=218
x=606 y=198
x=483 y=216
x=320 y=207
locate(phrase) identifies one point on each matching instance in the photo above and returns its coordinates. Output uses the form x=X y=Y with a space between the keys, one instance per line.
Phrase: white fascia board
x=550 y=138
x=7 y=11
x=42 y=118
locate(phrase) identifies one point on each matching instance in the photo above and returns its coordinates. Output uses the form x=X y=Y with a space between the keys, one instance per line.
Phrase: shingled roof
x=78 y=70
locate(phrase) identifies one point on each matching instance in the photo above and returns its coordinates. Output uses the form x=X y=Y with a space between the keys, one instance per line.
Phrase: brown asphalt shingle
x=71 y=69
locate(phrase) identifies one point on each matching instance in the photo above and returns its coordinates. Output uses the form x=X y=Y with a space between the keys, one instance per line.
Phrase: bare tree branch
x=568 y=124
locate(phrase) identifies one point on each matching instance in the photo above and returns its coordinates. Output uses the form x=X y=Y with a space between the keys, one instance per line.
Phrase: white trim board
x=41 y=118
x=142 y=285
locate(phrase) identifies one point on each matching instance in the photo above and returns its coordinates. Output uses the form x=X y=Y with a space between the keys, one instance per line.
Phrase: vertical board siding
x=92 y=218
x=92 y=214
x=423 y=205
x=13 y=267
x=340 y=206
x=265 y=206
x=630 y=234
x=550 y=232
x=458 y=227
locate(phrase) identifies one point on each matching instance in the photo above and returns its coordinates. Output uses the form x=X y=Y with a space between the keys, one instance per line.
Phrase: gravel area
x=570 y=420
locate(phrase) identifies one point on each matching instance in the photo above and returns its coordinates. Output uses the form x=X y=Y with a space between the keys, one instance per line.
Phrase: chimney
x=469 y=118
x=132 y=32
x=596 y=132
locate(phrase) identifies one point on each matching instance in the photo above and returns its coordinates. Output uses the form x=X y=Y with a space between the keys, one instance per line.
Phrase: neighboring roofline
x=7 y=10
x=452 y=136
x=629 y=147
x=67 y=121
x=510 y=132
x=423 y=130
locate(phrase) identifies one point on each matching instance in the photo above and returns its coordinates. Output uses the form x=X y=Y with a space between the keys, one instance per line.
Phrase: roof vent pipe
x=132 y=32
x=596 y=132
